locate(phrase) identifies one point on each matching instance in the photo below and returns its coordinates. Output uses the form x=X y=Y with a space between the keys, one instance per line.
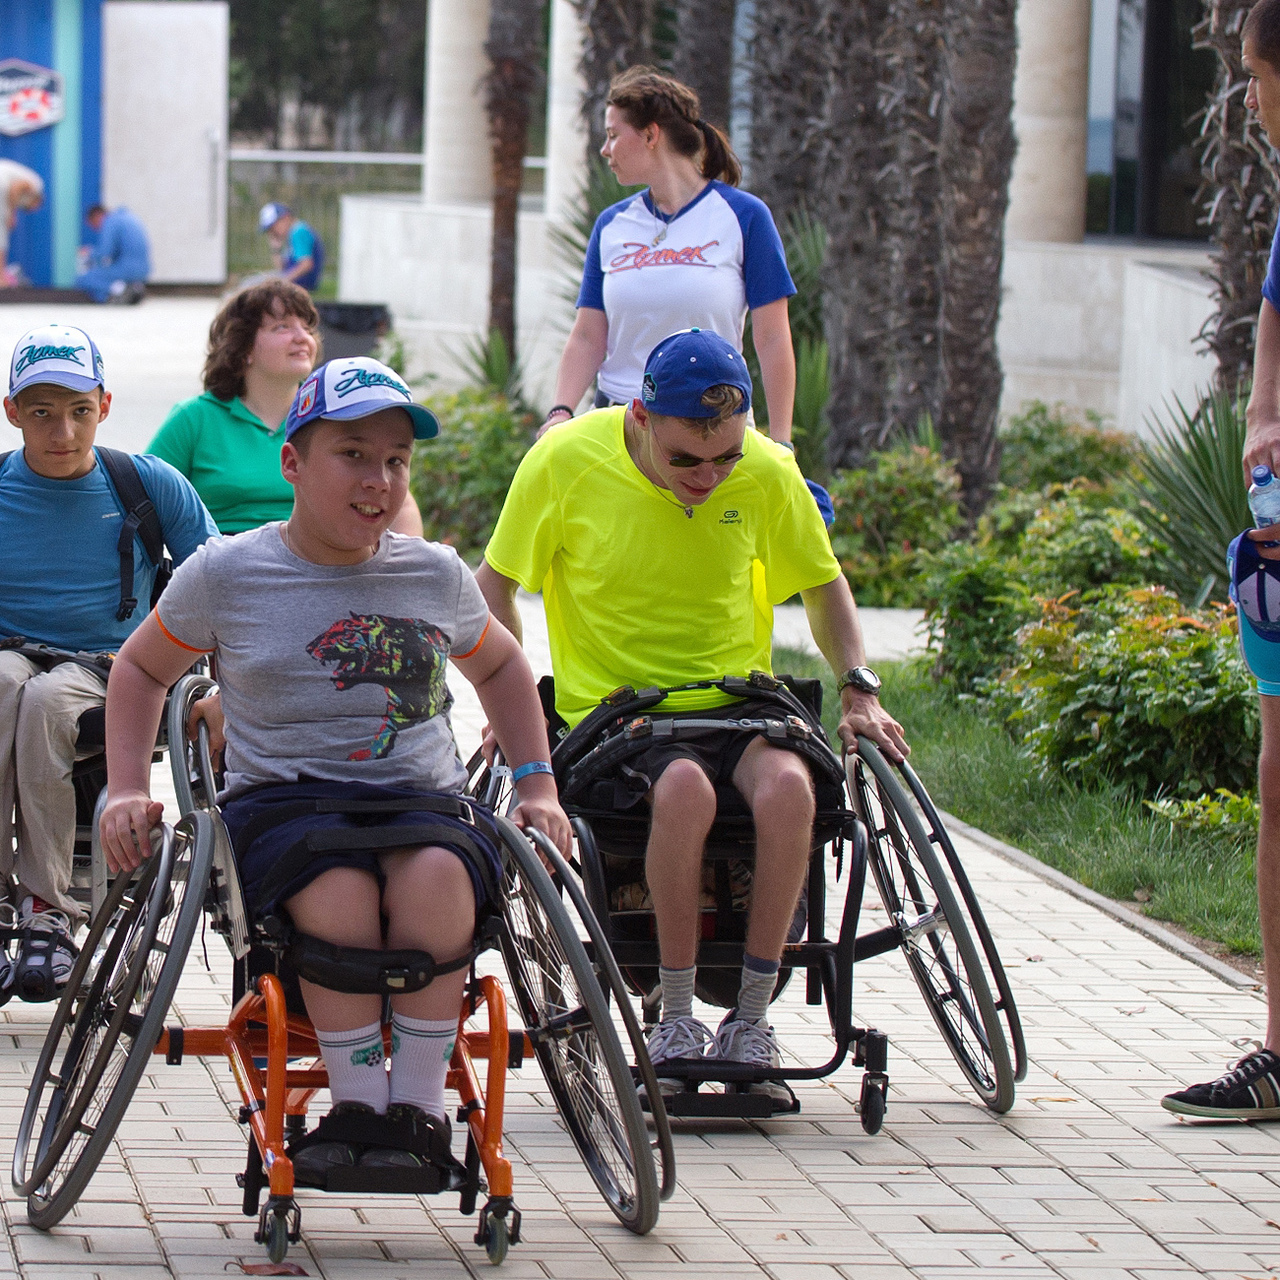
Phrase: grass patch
x=1106 y=839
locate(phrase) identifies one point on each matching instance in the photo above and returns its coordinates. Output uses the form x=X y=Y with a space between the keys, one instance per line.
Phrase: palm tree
x=703 y=54
x=976 y=147
x=1239 y=197
x=619 y=34
x=514 y=49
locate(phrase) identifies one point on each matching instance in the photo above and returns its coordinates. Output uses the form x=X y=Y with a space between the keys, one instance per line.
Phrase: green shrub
x=904 y=502
x=1129 y=687
x=460 y=479
x=1041 y=446
x=1193 y=494
x=1224 y=812
x=975 y=602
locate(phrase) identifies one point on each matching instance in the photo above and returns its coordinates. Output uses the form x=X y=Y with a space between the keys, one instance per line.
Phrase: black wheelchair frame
x=110 y=1022
x=869 y=822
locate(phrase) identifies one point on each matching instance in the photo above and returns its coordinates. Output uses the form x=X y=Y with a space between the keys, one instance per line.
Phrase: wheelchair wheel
x=193 y=776
x=998 y=979
x=567 y=1018
x=935 y=938
x=109 y=1020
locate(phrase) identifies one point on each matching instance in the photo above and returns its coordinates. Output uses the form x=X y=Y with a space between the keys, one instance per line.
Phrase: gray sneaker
x=678 y=1038
x=753 y=1043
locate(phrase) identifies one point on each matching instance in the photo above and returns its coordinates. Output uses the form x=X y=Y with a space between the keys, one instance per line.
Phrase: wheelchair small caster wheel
x=872 y=1103
x=277 y=1240
x=497 y=1239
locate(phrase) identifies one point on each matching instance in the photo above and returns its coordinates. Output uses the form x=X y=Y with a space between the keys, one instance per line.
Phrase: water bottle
x=1264 y=497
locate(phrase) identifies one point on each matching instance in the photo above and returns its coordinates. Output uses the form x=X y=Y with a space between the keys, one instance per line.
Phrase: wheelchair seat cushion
x=285 y=836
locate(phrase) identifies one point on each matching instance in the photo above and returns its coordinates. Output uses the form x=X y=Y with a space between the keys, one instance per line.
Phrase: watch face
x=861 y=678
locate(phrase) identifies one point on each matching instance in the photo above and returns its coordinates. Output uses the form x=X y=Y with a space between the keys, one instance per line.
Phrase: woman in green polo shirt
x=262 y=344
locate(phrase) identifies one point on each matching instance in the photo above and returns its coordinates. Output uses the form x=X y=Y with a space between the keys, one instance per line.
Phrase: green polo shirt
x=231 y=458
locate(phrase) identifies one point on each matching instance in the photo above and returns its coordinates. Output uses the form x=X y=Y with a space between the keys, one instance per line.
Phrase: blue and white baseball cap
x=270 y=214
x=1254 y=585
x=55 y=353
x=355 y=387
x=684 y=366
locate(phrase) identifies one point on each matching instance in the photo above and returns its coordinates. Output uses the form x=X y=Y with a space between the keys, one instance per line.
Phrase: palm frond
x=569 y=239
x=488 y=365
x=1193 y=496
x=809 y=414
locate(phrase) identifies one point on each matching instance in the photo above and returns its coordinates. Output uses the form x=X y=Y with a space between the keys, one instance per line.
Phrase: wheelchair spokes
x=933 y=934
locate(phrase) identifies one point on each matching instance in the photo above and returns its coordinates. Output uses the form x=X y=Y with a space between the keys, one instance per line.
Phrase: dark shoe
x=1251 y=1091
x=311 y=1164
x=46 y=953
x=435 y=1130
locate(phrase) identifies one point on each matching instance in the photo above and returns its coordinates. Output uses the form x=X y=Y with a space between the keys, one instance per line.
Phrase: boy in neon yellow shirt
x=661 y=536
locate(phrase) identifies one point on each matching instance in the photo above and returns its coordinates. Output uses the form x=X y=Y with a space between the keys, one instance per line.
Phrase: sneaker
x=311 y=1164
x=753 y=1043
x=679 y=1038
x=46 y=952
x=8 y=967
x=440 y=1140
x=1250 y=1091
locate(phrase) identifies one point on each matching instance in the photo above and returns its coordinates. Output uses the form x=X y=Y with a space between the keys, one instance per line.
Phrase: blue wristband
x=534 y=766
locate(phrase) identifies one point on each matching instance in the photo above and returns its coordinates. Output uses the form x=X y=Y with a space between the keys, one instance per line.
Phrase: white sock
x=677 y=992
x=420 y=1053
x=357 y=1065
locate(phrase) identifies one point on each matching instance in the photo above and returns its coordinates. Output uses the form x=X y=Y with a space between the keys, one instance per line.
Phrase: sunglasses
x=689 y=461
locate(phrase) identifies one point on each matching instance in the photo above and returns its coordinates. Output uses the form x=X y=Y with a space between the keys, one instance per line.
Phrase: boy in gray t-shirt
x=332 y=636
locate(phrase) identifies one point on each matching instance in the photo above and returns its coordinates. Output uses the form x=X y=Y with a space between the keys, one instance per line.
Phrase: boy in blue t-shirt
x=60 y=586
x=297 y=250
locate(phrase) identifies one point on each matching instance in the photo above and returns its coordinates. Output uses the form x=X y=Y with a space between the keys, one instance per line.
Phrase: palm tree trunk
x=514 y=49
x=619 y=34
x=1238 y=194
x=703 y=54
x=975 y=159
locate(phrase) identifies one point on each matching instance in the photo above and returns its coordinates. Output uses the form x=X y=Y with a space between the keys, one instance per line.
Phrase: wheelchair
x=111 y=1020
x=866 y=819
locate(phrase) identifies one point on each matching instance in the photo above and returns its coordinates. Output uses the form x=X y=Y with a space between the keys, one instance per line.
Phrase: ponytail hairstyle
x=646 y=96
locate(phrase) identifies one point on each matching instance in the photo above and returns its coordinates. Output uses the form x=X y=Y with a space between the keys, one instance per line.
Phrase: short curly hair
x=235 y=329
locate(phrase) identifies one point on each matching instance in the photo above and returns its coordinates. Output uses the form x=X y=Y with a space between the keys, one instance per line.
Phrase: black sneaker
x=46 y=952
x=312 y=1163
x=1251 y=1091
x=435 y=1129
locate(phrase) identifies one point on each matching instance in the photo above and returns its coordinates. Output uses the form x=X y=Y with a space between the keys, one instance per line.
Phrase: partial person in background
x=119 y=261
x=262 y=344
x=691 y=251
x=21 y=189
x=296 y=249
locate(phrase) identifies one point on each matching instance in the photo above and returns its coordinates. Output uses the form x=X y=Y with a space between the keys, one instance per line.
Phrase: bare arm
x=408 y=518
x=771 y=332
x=1262 y=442
x=500 y=595
x=833 y=619
x=583 y=355
x=504 y=682
x=300 y=268
x=148 y=663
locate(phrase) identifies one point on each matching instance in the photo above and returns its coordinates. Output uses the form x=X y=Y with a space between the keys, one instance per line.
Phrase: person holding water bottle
x=1251 y=1090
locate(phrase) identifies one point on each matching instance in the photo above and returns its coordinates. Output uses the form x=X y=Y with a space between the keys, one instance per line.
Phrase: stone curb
x=1133 y=919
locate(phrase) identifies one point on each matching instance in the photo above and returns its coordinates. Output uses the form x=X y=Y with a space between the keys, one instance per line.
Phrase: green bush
x=1223 y=813
x=460 y=479
x=975 y=602
x=907 y=500
x=1129 y=687
x=1041 y=446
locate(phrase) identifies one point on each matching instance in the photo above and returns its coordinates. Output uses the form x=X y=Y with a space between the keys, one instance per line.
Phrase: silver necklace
x=664 y=219
x=657 y=488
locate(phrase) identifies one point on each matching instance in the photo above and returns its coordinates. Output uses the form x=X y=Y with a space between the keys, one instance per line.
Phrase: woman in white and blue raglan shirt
x=691 y=250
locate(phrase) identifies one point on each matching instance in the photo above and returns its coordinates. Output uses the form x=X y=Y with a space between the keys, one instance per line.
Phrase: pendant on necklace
x=689 y=512
x=659 y=238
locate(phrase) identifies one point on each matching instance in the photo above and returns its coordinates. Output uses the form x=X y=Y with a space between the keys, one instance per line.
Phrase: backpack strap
x=140 y=520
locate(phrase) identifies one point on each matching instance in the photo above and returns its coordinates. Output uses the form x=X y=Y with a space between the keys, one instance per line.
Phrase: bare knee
x=340 y=906
x=429 y=889
x=784 y=795
x=685 y=794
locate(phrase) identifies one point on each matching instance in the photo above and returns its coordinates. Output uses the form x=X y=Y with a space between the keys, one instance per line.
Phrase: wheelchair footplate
x=737 y=1100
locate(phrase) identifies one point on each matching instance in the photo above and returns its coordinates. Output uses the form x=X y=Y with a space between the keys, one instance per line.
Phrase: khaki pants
x=38 y=714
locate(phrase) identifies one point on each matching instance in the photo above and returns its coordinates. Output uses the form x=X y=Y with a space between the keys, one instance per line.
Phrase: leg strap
x=359 y=971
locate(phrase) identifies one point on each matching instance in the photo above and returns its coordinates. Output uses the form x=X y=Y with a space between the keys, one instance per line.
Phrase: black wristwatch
x=861 y=678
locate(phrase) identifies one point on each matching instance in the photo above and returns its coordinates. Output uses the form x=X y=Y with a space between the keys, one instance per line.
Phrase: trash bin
x=352 y=328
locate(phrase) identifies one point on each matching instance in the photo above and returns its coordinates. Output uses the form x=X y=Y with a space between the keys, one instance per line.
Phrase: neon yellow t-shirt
x=635 y=591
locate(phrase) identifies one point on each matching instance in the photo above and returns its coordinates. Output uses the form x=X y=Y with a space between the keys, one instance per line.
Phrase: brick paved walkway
x=1086 y=1177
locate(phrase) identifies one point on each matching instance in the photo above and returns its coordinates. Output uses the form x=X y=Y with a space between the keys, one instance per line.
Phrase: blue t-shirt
x=720 y=256
x=1271 y=285
x=123 y=246
x=304 y=243
x=60 y=571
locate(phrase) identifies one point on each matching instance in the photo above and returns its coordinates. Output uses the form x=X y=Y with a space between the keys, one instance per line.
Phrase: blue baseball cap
x=55 y=353
x=685 y=365
x=355 y=387
x=1254 y=585
x=270 y=214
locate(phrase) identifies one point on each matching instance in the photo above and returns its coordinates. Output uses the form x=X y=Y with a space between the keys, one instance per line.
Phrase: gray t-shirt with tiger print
x=334 y=672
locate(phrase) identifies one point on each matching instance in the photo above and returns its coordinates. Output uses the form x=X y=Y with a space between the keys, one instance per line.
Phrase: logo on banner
x=31 y=97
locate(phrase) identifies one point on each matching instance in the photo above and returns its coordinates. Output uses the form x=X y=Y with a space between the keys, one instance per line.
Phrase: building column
x=566 y=173
x=458 y=164
x=1050 y=118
